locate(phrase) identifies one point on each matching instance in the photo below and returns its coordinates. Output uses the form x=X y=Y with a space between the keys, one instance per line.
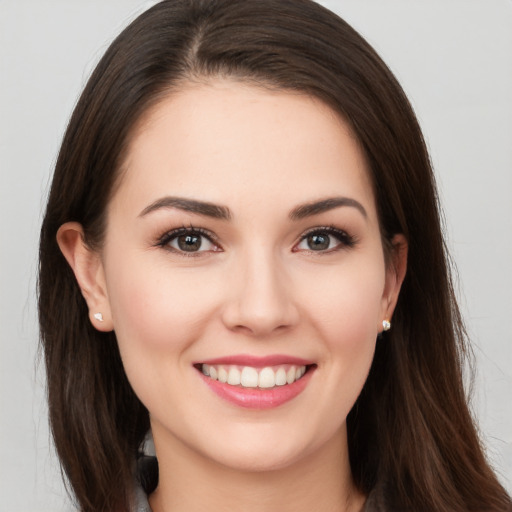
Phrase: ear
x=88 y=269
x=395 y=274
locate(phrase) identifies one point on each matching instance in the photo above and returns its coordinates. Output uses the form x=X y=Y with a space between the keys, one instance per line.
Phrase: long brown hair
x=411 y=435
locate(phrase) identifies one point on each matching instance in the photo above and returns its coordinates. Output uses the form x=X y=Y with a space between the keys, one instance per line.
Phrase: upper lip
x=258 y=361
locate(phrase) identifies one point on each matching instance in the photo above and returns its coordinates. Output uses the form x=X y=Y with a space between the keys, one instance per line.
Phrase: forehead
x=227 y=141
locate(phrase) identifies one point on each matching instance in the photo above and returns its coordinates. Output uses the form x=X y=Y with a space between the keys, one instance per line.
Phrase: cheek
x=158 y=315
x=156 y=311
x=348 y=306
x=345 y=316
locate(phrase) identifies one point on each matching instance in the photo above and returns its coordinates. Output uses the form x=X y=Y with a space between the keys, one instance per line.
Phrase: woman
x=255 y=271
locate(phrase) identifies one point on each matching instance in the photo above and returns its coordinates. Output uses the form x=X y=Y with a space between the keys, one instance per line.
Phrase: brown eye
x=318 y=242
x=189 y=243
x=325 y=240
x=187 y=240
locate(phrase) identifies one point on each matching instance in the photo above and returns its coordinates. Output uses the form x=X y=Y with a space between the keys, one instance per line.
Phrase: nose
x=260 y=298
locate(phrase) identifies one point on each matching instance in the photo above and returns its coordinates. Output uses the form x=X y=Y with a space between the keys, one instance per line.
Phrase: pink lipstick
x=257 y=382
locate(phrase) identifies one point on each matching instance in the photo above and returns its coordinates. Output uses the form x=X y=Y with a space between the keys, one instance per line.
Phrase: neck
x=189 y=482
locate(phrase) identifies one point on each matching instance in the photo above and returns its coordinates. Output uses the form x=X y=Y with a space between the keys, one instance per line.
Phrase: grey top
x=141 y=501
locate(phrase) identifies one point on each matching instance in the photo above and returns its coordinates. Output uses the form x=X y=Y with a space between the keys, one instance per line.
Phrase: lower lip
x=257 y=398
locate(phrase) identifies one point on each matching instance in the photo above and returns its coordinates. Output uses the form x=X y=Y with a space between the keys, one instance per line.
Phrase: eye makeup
x=189 y=241
x=325 y=239
x=194 y=241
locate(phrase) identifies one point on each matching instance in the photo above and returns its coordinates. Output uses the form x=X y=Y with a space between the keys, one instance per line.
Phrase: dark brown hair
x=411 y=435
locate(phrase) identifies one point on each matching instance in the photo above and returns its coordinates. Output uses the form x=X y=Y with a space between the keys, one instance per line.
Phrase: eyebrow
x=324 y=205
x=223 y=212
x=189 y=205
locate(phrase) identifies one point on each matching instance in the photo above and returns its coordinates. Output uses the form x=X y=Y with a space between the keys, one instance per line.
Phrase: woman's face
x=243 y=243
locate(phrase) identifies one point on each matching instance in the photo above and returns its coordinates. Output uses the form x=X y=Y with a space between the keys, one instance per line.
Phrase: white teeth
x=222 y=375
x=249 y=377
x=281 y=377
x=233 y=376
x=267 y=378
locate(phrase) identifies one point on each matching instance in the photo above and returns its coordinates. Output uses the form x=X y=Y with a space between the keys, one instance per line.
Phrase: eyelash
x=345 y=240
x=169 y=236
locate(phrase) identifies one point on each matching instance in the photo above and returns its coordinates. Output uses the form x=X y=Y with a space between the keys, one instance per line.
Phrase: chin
x=257 y=461
x=266 y=450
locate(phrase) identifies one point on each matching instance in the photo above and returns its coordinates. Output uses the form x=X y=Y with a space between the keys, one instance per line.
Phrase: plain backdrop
x=454 y=60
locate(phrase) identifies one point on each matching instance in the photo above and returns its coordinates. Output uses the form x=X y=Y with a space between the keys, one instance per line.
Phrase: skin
x=258 y=287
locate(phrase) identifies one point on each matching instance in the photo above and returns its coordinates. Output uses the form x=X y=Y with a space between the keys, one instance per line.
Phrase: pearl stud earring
x=98 y=317
x=386 y=325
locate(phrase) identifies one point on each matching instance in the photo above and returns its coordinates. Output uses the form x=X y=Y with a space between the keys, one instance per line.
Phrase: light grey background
x=454 y=59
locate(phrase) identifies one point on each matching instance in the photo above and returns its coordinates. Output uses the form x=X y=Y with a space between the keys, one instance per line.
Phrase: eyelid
x=164 y=239
x=346 y=240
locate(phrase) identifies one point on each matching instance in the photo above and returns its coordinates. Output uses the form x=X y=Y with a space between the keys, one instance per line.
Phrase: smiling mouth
x=250 y=377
